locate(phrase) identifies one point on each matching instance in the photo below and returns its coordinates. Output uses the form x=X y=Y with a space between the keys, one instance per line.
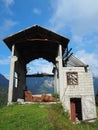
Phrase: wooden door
x=76 y=109
x=73 y=114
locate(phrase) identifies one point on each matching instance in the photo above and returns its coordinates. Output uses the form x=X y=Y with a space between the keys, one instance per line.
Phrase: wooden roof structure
x=37 y=42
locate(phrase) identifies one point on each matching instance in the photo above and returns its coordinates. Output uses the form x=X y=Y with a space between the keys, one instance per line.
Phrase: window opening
x=15 y=80
x=72 y=78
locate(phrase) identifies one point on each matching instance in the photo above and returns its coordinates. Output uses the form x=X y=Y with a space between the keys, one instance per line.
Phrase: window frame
x=71 y=80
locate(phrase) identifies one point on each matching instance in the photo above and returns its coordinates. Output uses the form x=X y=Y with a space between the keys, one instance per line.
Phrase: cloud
x=6 y=26
x=8 y=2
x=49 y=83
x=40 y=66
x=7 y=5
x=89 y=58
x=78 y=19
x=5 y=61
x=78 y=15
x=37 y=11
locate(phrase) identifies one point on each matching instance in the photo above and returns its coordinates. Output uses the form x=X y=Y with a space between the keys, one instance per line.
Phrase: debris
x=42 y=98
x=28 y=96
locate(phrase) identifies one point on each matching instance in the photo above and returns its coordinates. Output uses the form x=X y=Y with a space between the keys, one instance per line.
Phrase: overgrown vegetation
x=39 y=117
x=56 y=95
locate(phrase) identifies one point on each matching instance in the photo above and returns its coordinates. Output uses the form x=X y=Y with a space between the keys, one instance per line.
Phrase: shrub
x=55 y=95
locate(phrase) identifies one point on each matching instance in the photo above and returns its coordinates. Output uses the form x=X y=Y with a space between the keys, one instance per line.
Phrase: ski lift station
x=72 y=78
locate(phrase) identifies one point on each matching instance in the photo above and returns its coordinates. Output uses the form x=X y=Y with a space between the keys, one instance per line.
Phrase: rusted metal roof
x=35 y=42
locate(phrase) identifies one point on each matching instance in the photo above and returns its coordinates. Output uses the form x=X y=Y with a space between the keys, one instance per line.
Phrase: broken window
x=72 y=78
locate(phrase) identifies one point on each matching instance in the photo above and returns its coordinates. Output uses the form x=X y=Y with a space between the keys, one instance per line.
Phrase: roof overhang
x=37 y=42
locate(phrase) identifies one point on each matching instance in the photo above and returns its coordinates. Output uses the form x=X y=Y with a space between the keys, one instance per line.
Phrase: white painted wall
x=83 y=90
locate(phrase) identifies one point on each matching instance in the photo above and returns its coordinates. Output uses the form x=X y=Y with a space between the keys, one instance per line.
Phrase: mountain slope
x=3 y=90
x=95 y=84
x=40 y=84
x=3 y=81
x=46 y=84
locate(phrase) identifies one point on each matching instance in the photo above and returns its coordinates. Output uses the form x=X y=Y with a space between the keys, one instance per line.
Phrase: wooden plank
x=73 y=113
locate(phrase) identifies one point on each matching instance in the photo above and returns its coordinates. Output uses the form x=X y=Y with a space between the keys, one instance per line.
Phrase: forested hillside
x=40 y=84
x=3 y=90
x=3 y=81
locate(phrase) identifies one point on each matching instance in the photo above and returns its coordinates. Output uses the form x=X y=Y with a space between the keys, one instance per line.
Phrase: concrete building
x=73 y=83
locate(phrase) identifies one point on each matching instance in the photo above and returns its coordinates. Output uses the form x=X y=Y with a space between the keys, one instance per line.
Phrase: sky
x=74 y=19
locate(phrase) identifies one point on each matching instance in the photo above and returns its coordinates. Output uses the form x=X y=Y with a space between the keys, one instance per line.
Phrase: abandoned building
x=72 y=78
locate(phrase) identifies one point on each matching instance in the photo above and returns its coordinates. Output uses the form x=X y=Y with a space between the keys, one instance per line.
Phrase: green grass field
x=39 y=117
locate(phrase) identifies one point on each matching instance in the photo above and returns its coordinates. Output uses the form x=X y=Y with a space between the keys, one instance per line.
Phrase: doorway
x=76 y=109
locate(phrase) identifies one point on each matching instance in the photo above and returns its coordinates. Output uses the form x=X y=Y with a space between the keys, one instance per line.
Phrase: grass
x=39 y=117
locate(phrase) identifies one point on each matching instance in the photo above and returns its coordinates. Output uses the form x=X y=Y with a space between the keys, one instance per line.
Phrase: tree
x=3 y=96
x=96 y=97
